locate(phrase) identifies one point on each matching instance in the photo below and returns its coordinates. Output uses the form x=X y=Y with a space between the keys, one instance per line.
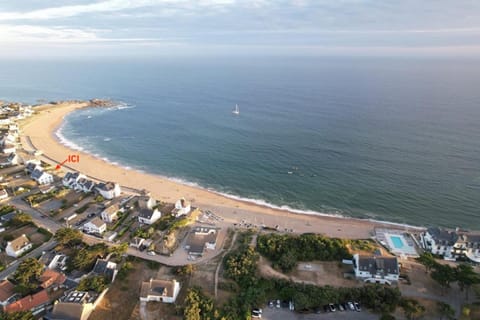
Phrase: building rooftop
x=97 y=222
x=19 y=242
x=29 y=302
x=7 y=289
x=378 y=265
x=51 y=277
x=154 y=287
x=445 y=236
x=146 y=213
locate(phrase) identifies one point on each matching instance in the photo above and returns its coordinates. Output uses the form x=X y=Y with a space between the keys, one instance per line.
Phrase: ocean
x=386 y=139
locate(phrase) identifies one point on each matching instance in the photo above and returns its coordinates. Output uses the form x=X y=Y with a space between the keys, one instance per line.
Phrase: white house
x=148 y=216
x=159 y=290
x=3 y=194
x=71 y=178
x=146 y=202
x=201 y=239
x=18 y=246
x=110 y=214
x=96 y=225
x=10 y=160
x=108 y=190
x=84 y=185
x=439 y=241
x=376 y=269
x=467 y=245
x=41 y=176
x=182 y=207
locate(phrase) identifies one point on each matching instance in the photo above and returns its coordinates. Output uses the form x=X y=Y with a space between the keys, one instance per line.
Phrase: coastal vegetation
x=83 y=257
x=251 y=290
x=286 y=250
x=26 y=276
x=68 y=237
x=20 y=315
x=94 y=283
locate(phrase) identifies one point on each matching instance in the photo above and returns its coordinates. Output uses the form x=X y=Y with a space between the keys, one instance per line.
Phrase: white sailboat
x=236 y=110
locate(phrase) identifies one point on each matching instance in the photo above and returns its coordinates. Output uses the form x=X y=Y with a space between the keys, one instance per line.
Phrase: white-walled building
x=41 y=176
x=18 y=246
x=439 y=241
x=148 y=216
x=110 y=214
x=182 y=207
x=376 y=268
x=96 y=225
x=165 y=291
x=108 y=190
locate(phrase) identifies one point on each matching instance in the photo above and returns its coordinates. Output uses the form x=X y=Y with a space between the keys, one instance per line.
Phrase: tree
x=466 y=277
x=412 y=308
x=198 y=306
x=21 y=219
x=444 y=275
x=428 y=261
x=68 y=237
x=119 y=250
x=20 y=315
x=445 y=310
x=27 y=274
x=95 y=283
x=387 y=316
x=186 y=270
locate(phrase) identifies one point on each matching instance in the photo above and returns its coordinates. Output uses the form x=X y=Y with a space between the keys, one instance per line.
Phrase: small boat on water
x=236 y=111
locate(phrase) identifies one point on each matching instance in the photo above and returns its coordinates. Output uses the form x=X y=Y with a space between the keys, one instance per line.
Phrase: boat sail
x=236 y=110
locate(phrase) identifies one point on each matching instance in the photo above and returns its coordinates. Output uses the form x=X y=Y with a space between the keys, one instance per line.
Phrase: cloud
x=45 y=35
x=106 y=6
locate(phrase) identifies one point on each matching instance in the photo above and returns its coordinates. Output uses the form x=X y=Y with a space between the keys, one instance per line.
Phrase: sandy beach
x=39 y=132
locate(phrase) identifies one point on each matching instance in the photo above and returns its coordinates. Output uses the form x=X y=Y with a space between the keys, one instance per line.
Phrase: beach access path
x=39 y=132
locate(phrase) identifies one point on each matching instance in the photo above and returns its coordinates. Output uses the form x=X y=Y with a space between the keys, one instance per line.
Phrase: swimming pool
x=397 y=242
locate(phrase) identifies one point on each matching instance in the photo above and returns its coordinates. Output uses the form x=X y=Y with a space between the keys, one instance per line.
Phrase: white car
x=256 y=314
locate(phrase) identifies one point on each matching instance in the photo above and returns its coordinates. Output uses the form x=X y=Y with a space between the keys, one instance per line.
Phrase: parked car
x=332 y=308
x=270 y=304
x=326 y=308
x=257 y=310
x=256 y=314
x=291 y=306
x=351 y=306
x=277 y=304
x=357 y=306
x=339 y=307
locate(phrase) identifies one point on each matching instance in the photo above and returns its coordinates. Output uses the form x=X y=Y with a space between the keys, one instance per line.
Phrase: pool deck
x=408 y=249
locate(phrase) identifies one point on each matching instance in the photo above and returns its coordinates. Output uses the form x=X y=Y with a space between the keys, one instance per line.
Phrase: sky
x=36 y=28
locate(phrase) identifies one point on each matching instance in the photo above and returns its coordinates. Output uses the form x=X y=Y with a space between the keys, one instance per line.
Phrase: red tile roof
x=50 y=277
x=6 y=290
x=29 y=302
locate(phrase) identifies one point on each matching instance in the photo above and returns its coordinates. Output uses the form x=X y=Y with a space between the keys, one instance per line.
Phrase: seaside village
x=74 y=247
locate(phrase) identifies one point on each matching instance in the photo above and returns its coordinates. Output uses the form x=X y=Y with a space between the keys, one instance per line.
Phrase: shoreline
x=42 y=130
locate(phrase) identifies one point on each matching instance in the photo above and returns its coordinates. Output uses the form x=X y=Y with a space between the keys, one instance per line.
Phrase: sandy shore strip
x=40 y=132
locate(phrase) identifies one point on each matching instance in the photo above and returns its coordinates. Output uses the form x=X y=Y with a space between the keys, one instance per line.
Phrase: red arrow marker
x=61 y=164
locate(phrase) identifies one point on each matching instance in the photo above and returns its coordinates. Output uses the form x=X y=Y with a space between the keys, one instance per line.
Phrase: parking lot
x=285 y=314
